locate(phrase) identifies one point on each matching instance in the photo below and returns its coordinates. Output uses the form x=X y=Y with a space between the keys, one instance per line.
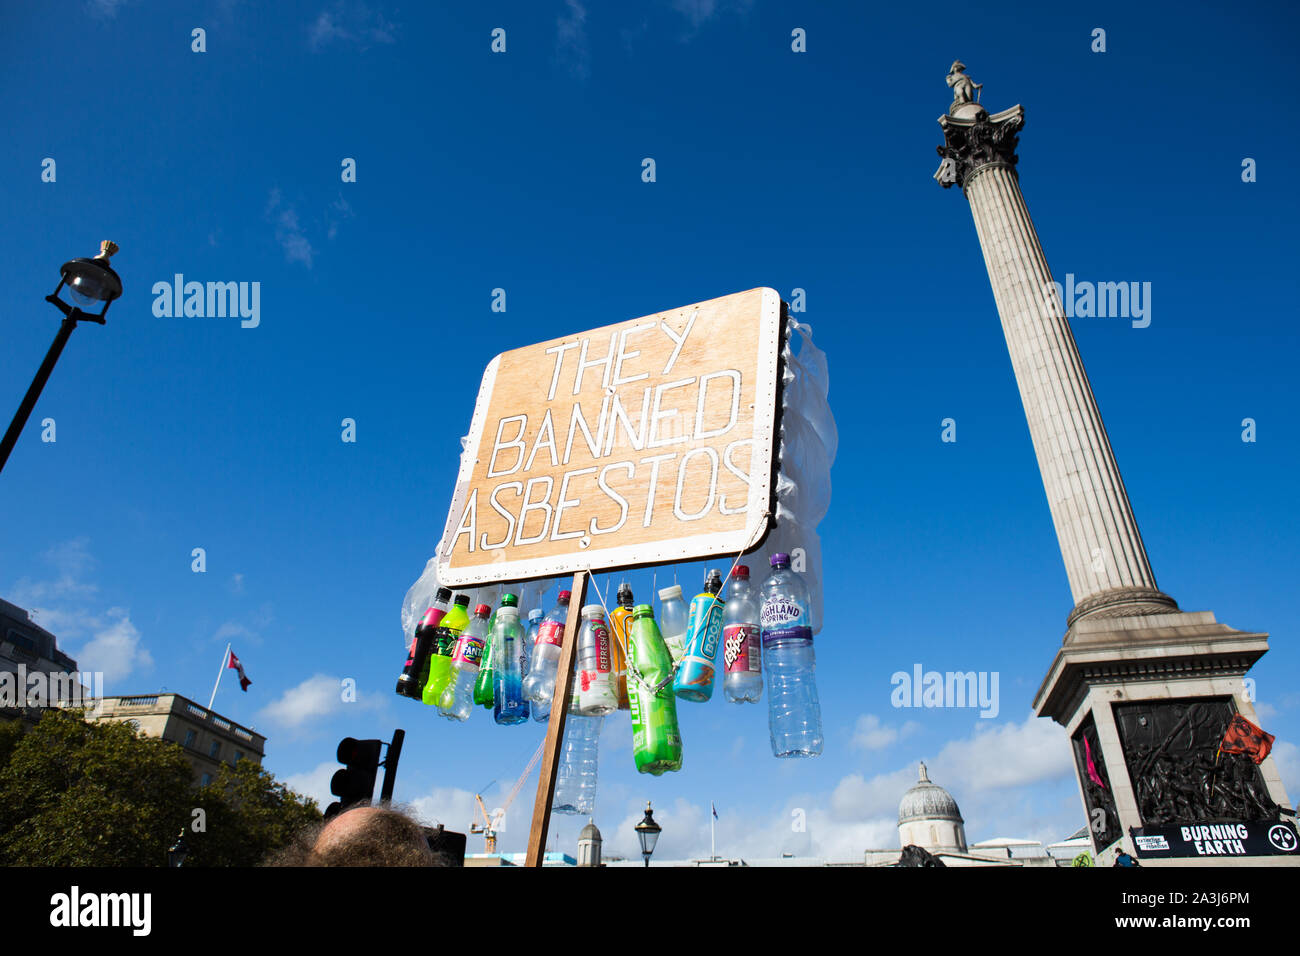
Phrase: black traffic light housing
x=355 y=783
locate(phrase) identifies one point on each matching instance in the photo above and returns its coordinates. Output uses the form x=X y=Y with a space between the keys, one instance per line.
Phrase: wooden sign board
x=647 y=441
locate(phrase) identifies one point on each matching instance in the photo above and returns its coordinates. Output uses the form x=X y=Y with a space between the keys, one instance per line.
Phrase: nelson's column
x=1144 y=690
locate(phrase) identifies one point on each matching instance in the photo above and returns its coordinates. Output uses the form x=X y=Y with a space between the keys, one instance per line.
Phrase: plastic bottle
x=541 y=708
x=457 y=698
x=449 y=629
x=656 y=738
x=741 y=645
x=511 y=658
x=416 y=671
x=620 y=627
x=484 y=693
x=575 y=778
x=596 y=691
x=672 y=620
x=694 y=680
x=794 y=713
x=546 y=651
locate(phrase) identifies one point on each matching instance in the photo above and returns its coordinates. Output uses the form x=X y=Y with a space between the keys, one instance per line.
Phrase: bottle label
x=599 y=634
x=740 y=649
x=469 y=651
x=446 y=642
x=704 y=627
x=551 y=632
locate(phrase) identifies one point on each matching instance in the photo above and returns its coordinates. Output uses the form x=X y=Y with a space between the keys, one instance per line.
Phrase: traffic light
x=355 y=783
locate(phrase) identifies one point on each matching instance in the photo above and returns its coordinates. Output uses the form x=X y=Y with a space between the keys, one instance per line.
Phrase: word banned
x=626 y=444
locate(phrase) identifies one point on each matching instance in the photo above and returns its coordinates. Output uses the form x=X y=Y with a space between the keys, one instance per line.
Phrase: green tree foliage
x=246 y=816
x=77 y=793
x=90 y=794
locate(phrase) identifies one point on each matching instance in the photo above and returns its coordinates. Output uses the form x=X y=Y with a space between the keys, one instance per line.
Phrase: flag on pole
x=1243 y=737
x=714 y=809
x=1093 y=775
x=243 y=680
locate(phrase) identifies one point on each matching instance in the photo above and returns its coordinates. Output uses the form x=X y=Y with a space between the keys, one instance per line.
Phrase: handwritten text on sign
x=638 y=442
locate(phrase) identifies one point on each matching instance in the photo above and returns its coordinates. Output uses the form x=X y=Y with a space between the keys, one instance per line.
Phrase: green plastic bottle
x=448 y=632
x=485 y=686
x=656 y=738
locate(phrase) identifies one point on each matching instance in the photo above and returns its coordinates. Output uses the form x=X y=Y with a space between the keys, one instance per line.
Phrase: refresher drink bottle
x=794 y=714
x=509 y=706
x=440 y=660
x=416 y=671
x=458 y=697
x=741 y=646
x=656 y=739
x=620 y=632
x=672 y=620
x=694 y=679
x=541 y=709
x=546 y=651
x=596 y=691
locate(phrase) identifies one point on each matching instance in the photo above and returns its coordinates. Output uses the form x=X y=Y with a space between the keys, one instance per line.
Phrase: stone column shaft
x=1105 y=560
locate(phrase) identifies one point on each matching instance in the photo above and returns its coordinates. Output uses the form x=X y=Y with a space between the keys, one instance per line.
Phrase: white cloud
x=289 y=232
x=317 y=697
x=456 y=809
x=351 y=23
x=1005 y=756
x=871 y=734
x=114 y=648
x=571 y=42
x=314 y=783
x=66 y=605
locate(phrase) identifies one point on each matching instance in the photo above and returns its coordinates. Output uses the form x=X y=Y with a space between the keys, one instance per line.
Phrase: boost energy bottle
x=694 y=679
x=656 y=739
x=440 y=660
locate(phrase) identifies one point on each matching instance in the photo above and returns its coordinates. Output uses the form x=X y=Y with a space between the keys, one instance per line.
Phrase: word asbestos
x=213 y=300
x=74 y=908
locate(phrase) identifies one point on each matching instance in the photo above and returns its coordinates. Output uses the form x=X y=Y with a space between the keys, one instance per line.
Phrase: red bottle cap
x=564 y=597
x=483 y=611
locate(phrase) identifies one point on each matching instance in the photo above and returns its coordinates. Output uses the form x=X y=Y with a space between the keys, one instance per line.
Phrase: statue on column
x=963 y=87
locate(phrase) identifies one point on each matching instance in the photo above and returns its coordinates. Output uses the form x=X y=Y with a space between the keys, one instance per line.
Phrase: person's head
x=364 y=836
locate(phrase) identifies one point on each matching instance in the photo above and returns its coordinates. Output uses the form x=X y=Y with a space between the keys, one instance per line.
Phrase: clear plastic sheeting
x=420 y=595
x=807 y=447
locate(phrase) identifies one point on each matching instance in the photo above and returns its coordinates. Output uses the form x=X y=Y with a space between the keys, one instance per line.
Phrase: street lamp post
x=91 y=283
x=647 y=831
x=178 y=852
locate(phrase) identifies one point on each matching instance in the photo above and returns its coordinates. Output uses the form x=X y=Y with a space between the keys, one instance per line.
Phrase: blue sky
x=522 y=171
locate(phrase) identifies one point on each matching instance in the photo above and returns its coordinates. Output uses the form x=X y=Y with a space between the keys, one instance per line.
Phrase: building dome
x=928 y=801
x=589 y=832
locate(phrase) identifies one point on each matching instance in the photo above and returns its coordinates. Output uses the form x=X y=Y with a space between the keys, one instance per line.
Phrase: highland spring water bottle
x=794 y=715
x=740 y=641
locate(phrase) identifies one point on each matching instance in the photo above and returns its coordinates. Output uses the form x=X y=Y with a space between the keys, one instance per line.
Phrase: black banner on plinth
x=1259 y=838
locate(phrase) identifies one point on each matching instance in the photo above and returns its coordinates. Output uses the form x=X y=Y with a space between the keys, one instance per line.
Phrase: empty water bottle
x=575 y=779
x=540 y=683
x=794 y=714
x=541 y=709
x=673 y=616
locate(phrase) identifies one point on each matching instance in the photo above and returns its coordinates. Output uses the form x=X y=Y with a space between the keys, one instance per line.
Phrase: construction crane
x=488 y=827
